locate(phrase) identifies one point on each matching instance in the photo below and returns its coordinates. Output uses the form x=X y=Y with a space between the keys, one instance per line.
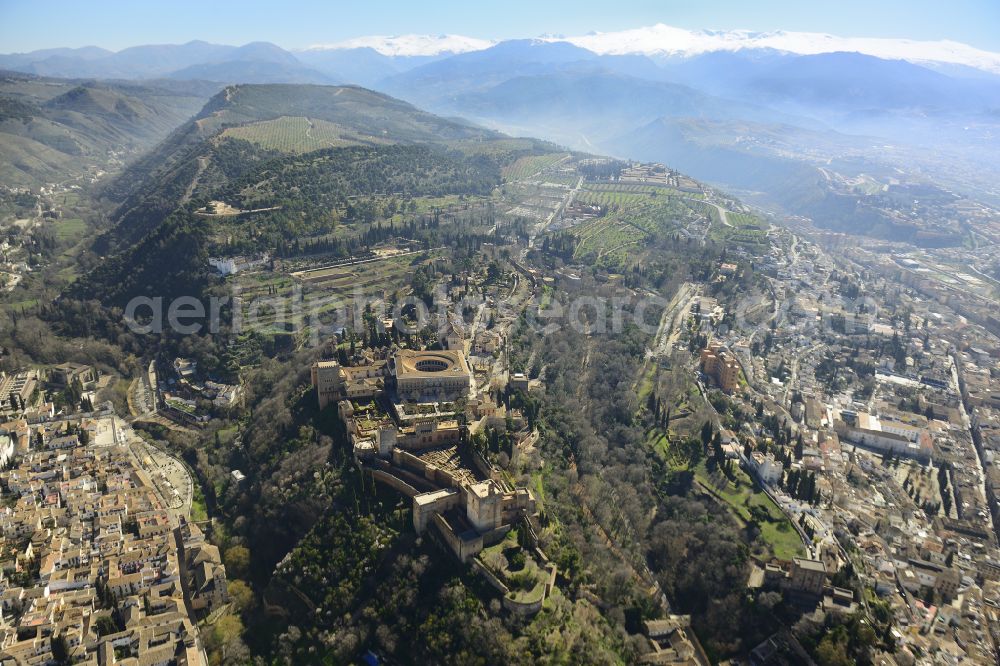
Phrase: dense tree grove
x=171 y=261
x=697 y=556
x=309 y=190
x=604 y=169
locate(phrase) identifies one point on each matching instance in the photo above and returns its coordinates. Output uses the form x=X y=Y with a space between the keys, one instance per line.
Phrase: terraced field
x=269 y=300
x=663 y=214
x=626 y=194
x=743 y=229
x=745 y=220
x=607 y=239
x=526 y=167
x=630 y=188
x=563 y=179
x=613 y=239
x=607 y=199
x=292 y=134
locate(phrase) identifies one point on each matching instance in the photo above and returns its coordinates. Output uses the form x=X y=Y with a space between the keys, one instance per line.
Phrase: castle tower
x=386 y=441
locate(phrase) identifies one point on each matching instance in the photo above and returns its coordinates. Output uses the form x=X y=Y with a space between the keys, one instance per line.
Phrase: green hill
x=252 y=148
x=205 y=153
x=360 y=110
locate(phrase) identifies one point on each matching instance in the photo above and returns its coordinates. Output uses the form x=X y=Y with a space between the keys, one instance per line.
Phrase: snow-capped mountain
x=662 y=40
x=411 y=45
x=668 y=41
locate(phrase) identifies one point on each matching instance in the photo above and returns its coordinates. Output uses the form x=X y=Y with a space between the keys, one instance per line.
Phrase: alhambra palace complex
x=400 y=415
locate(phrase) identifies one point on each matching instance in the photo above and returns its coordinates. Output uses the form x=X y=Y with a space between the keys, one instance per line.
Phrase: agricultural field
x=663 y=214
x=743 y=229
x=611 y=239
x=291 y=134
x=360 y=274
x=630 y=188
x=745 y=220
x=70 y=229
x=66 y=198
x=634 y=195
x=526 y=167
x=563 y=179
x=607 y=239
x=498 y=148
x=443 y=203
x=612 y=198
x=533 y=200
x=273 y=301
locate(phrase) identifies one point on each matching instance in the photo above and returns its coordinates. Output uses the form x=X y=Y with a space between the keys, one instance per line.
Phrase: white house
x=767 y=469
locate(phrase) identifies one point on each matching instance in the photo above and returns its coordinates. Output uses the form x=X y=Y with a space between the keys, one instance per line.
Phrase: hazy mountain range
x=755 y=112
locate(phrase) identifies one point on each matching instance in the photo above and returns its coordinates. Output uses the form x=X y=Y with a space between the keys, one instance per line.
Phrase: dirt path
x=671 y=324
x=722 y=211
x=566 y=202
x=202 y=164
x=616 y=248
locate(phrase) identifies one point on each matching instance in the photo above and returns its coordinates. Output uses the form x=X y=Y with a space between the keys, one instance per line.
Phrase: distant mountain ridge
x=669 y=42
x=261 y=61
x=383 y=55
x=410 y=45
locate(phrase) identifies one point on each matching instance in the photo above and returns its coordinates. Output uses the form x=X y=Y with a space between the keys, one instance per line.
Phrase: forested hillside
x=199 y=157
x=297 y=196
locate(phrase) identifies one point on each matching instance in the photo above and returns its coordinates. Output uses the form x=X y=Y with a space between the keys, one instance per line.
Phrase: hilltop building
x=334 y=381
x=409 y=439
x=671 y=641
x=453 y=335
x=452 y=487
x=233 y=265
x=65 y=374
x=412 y=376
x=799 y=576
x=422 y=376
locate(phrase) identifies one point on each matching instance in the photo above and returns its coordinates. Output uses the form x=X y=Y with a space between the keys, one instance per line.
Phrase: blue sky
x=114 y=24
